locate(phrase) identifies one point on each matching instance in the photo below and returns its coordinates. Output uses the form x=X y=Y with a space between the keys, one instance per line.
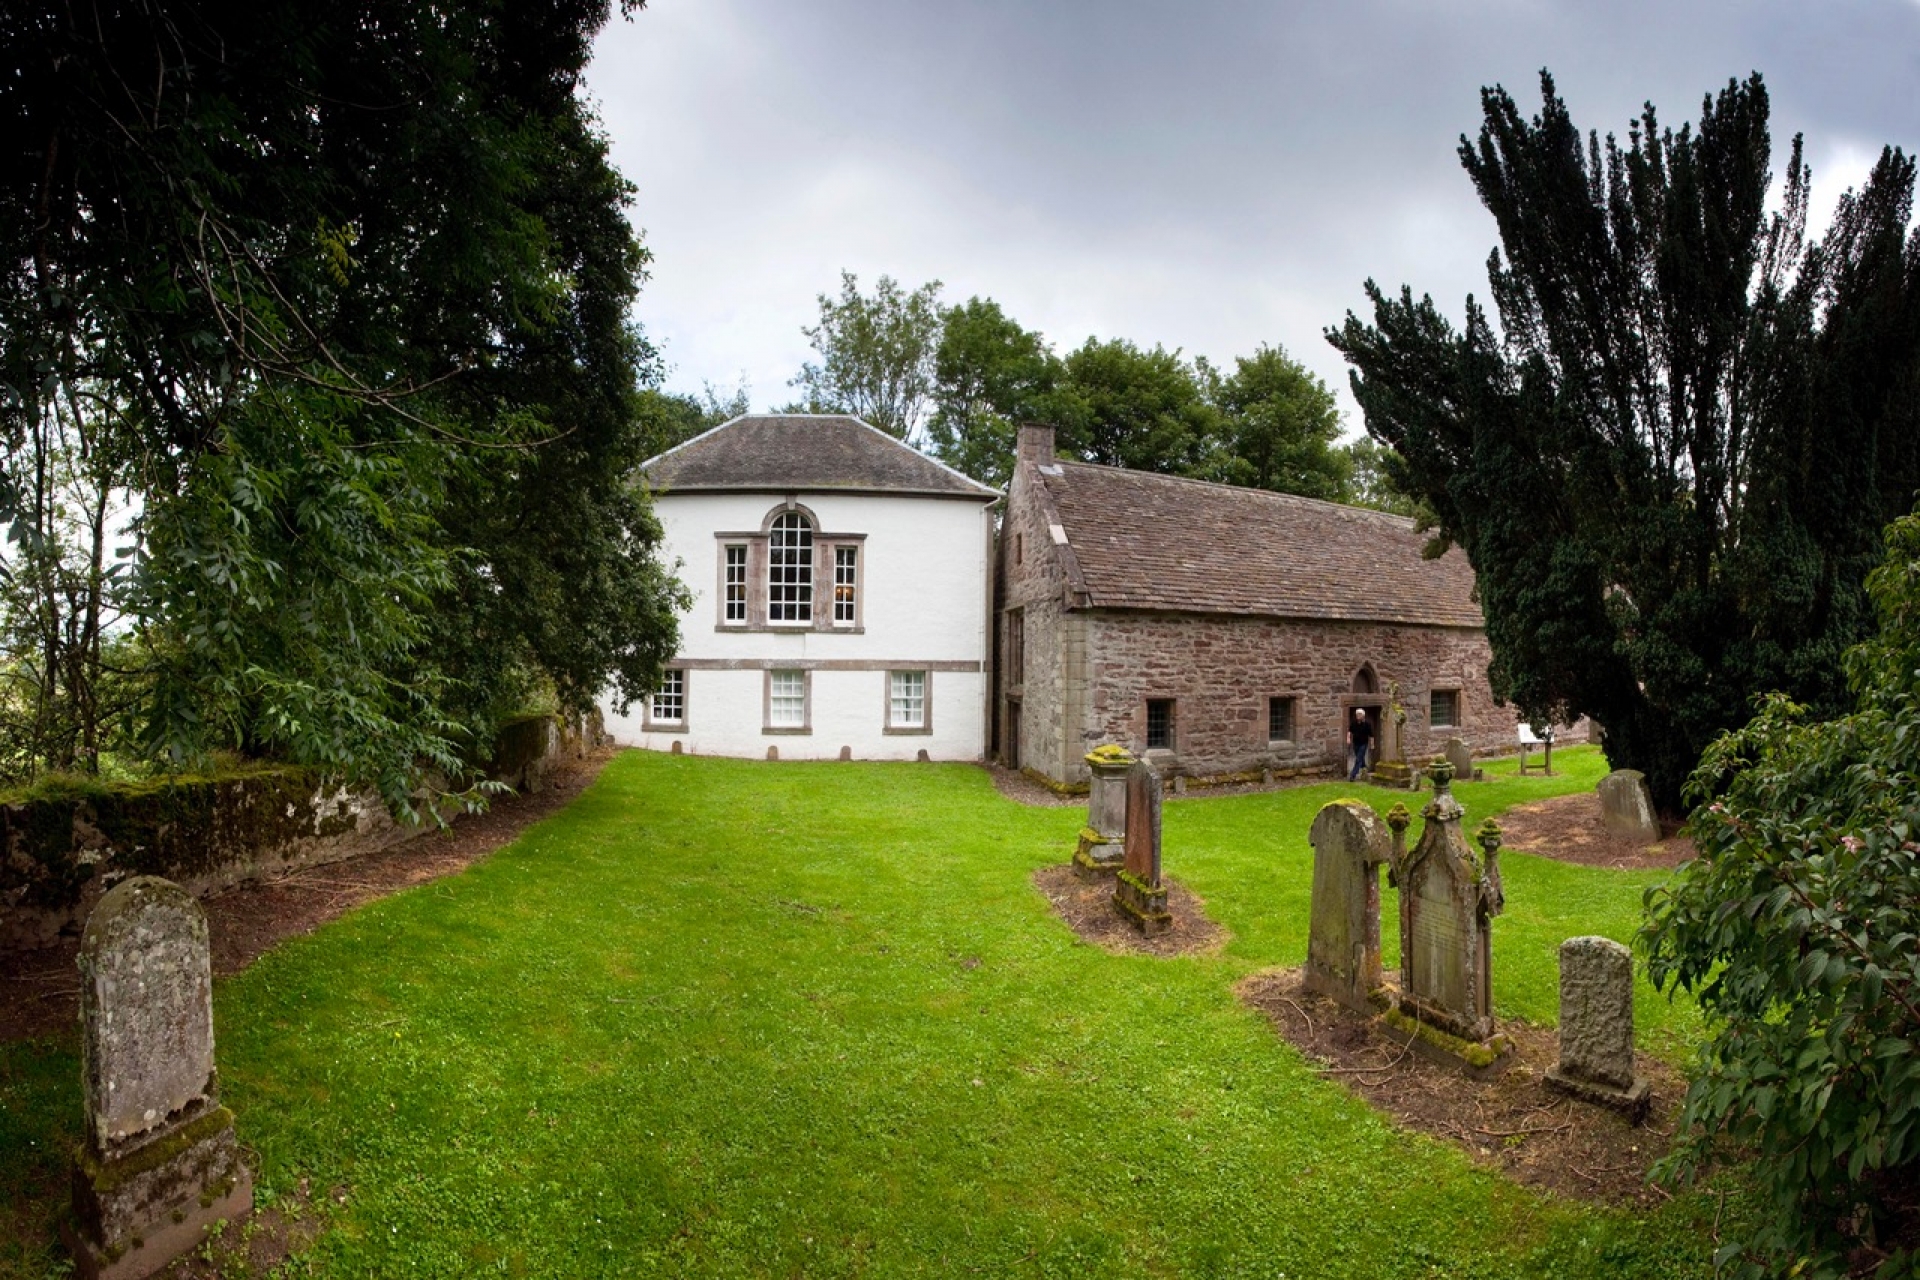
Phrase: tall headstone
x=1390 y=767
x=1626 y=806
x=1137 y=890
x=1596 y=1026
x=1102 y=847
x=1343 y=936
x=159 y=1165
x=1448 y=897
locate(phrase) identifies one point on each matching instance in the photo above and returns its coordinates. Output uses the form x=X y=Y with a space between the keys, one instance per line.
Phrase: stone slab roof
x=1145 y=541
x=783 y=452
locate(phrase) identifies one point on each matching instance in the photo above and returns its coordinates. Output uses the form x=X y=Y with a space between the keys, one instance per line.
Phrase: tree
x=876 y=354
x=337 y=298
x=1280 y=423
x=1796 y=929
x=1371 y=481
x=989 y=376
x=1669 y=461
x=1122 y=406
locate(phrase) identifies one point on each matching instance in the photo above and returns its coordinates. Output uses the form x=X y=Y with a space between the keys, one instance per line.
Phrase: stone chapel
x=1222 y=631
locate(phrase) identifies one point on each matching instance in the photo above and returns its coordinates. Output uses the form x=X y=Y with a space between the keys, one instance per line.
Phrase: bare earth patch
x=40 y=989
x=1510 y=1122
x=1570 y=829
x=1087 y=908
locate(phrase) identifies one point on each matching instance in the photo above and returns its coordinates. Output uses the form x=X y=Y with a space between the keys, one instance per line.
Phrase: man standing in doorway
x=1359 y=737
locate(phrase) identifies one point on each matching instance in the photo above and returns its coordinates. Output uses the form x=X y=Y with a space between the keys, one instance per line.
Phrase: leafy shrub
x=1796 y=929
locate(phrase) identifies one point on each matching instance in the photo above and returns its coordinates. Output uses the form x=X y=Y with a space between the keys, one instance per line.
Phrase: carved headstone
x=1596 y=1026
x=159 y=1164
x=1626 y=806
x=1343 y=936
x=1460 y=758
x=1448 y=896
x=1102 y=848
x=1138 y=891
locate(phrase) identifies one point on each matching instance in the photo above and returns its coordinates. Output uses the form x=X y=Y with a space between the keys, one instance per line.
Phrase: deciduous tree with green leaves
x=342 y=293
x=1670 y=459
x=990 y=375
x=1279 y=426
x=876 y=354
x=1798 y=930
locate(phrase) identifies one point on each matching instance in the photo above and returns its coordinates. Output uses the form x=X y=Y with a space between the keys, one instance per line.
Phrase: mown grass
x=739 y=1018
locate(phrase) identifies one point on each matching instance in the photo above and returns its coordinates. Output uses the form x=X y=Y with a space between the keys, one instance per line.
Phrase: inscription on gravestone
x=159 y=1164
x=1138 y=891
x=1448 y=896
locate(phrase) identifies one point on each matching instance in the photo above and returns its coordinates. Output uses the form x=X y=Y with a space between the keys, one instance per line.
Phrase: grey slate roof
x=784 y=452
x=1145 y=541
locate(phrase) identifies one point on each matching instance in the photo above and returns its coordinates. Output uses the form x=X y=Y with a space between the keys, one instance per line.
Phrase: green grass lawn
x=739 y=1018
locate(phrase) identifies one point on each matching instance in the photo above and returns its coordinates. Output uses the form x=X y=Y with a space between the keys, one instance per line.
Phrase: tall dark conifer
x=1670 y=457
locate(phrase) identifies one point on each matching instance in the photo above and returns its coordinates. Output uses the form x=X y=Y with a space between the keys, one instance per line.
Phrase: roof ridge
x=1253 y=490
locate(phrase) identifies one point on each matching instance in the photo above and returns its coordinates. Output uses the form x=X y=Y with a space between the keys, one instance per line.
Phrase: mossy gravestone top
x=160 y=1163
x=1343 y=934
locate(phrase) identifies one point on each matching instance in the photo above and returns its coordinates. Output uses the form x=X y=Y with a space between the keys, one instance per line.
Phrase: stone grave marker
x=1626 y=806
x=1102 y=847
x=1343 y=935
x=1596 y=1027
x=1137 y=890
x=159 y=1165
x=1460 y=758
x=1448 y=897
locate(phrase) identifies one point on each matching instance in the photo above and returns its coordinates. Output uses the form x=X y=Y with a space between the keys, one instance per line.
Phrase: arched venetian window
x=790 y=569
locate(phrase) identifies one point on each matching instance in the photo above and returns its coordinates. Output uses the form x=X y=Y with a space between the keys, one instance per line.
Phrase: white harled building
x=841 y=586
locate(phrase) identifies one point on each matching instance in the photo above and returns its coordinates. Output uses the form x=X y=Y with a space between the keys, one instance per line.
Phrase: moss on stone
x=105 y=1176
x=1472 y=1052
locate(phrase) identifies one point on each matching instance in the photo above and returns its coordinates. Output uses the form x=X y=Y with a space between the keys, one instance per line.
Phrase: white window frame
x=733 y=584
x=789 y=701
x=909 y=692
x=790 y=542
x=846 y=585
x=673 y=686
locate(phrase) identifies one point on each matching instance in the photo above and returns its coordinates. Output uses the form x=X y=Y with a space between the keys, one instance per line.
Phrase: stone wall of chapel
x=1221 y=671
x=1031 y=582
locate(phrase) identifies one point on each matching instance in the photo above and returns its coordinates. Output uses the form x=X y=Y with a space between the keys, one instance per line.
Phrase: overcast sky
x=1209 y=176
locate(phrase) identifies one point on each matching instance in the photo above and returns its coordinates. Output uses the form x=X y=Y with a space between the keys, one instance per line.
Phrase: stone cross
x=1138 y=891
x=160 y=1163
x=1448 y=895
x=1101 y=849
x=1596 y=1026
x=1343 y=934
x=1626 y=806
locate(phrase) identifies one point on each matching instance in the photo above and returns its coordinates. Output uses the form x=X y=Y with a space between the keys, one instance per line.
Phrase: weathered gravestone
x=1626 y=806
x=1455 y=749
x=1390 y=767
x=1448 y=898
x=1137 y=890
x=1102 y=847
x=159 y=1164
x=1343 y=936
x=1596 y=1026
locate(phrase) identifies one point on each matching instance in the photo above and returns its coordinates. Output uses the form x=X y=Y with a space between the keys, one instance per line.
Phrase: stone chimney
x=1036 y=442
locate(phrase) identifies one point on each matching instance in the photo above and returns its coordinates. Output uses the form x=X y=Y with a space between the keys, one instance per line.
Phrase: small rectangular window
x=907 y=700
x=787 y=699
x=1279 y=719
x=736 y=585
x=667 y=705
x=1016 y=647
x=846 y=573
x=1160 y=724
x=1443 y=709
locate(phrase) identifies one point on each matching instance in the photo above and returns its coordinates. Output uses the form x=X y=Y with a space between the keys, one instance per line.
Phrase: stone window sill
x=908 y=731
x=788 y=730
